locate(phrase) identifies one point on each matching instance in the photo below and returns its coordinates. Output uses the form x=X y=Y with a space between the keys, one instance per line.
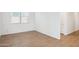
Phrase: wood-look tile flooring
x=71 y=40
x=36 y=39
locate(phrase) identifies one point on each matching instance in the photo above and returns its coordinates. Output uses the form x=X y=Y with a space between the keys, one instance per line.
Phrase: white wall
x=9 y=28
x=76 y=21
x=1 y=23
x=62 y=17
x=69 y=23
x=64 y=22
x=48 y=23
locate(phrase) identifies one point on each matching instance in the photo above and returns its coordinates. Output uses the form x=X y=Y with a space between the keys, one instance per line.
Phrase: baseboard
x=56 y=37
x=16 y=32
x=71 y=32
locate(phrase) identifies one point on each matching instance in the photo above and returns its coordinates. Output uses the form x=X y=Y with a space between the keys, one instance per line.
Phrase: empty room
x=39 y=29
x=29 y=29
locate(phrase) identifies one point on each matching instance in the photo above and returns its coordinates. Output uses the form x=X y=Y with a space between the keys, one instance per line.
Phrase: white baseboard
x=16 y=32
x=57 y=37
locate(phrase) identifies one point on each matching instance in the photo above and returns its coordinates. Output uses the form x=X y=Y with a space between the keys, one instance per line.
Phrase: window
x=15 y=17
x=24 y=17
x=19 y=17
x=16 y=14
